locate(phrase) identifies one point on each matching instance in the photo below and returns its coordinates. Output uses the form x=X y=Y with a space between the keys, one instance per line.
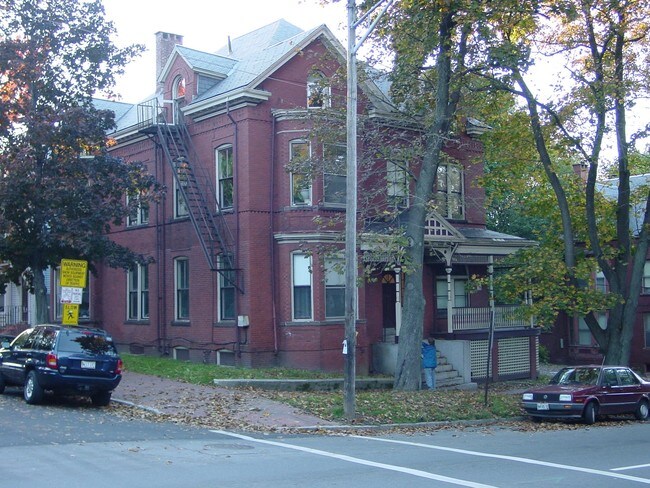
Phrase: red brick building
x=237 y=274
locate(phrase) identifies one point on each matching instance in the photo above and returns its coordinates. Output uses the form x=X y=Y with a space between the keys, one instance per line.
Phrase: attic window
x=179 y=88
x=318 y=91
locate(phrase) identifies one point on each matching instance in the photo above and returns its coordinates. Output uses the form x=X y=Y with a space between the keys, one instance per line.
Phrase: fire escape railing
x=193 y=183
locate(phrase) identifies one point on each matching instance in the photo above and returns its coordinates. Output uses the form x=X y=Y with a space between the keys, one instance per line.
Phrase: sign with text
x=71 y=295
x=70 y=314
x=73 y=273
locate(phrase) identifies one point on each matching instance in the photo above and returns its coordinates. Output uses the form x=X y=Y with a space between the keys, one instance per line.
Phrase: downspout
x=161 y=238
x=272 y=242
x=235 y=209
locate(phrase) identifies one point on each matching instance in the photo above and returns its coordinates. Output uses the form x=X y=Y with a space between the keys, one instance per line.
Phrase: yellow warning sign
x=73 y=273
x=70 y=314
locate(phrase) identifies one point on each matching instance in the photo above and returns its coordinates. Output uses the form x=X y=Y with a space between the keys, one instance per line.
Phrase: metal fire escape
x=195 y=188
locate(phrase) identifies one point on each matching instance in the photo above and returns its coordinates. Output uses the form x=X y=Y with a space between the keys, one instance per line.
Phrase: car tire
x=33 y=392
x=589 y=415
x=642 y=412
x=2 y=384
x=101 y=399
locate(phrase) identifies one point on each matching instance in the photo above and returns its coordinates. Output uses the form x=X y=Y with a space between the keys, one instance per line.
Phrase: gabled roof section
x=260 y=53
x=250 y=44
x=200 y=62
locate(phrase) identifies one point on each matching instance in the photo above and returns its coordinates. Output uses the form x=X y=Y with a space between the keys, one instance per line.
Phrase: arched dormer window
x=178 y=90
x=318 y=91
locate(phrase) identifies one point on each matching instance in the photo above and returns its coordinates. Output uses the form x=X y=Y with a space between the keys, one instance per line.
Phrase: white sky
x=205 y=25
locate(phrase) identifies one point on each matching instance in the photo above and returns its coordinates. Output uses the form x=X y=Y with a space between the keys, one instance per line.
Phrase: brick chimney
x=165 y=43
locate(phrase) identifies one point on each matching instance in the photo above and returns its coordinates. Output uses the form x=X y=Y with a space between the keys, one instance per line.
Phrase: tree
x=603 y=47
x=61 y=190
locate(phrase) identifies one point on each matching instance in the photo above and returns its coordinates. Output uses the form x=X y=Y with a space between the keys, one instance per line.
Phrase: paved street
x=68 y=443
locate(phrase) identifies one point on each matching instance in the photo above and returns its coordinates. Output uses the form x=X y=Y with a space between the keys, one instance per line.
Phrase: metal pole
x=491 y=333
x=349 y=349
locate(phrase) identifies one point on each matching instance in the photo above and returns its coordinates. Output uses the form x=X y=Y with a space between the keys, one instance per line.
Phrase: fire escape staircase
x=211 y=228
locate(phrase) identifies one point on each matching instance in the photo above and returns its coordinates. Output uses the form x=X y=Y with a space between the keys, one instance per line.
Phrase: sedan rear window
x=85 y=342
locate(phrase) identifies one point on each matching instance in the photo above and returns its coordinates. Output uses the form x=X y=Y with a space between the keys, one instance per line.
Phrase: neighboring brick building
x=236 y=276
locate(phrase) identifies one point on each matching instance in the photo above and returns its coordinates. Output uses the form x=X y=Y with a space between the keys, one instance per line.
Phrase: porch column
x=450 y=305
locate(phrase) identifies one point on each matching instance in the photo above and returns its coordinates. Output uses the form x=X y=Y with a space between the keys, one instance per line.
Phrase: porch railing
x=479 y=318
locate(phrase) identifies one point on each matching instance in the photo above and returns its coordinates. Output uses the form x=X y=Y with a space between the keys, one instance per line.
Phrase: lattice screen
x=478 y=356
x=514 y=355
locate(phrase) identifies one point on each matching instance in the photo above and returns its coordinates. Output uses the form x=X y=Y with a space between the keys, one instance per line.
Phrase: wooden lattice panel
x=434 y=228
x=514 y=355
x=478 y=358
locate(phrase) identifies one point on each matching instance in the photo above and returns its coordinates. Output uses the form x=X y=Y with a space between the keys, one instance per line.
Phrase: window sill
x=137 y=322
x=225 y=323
x=181 y=323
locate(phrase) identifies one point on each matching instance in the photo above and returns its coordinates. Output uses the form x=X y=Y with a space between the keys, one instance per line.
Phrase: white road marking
x=631 y=467
x=513 y=458
x=365 y=462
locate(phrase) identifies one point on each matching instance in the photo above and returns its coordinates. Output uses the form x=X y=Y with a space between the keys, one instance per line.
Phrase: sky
x=205 y=25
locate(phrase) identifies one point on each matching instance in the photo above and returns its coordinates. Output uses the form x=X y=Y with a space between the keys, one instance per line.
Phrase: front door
x=388 y=306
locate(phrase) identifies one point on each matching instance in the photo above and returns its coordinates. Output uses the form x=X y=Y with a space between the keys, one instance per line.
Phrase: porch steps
x=448 y=377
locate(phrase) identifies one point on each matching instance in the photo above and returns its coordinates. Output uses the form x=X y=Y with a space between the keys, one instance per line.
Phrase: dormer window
x=179 y=88
x=318 y=91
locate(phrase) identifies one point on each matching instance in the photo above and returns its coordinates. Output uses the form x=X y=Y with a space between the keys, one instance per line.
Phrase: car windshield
x=576 y=376
x=85 y=342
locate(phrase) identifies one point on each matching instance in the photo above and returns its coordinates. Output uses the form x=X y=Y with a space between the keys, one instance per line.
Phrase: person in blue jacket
x=429 y=362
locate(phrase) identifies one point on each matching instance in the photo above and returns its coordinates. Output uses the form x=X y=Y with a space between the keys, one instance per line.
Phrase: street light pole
x=351 y=265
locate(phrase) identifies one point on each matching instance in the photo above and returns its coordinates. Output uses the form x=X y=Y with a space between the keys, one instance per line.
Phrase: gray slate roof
x=609 y=188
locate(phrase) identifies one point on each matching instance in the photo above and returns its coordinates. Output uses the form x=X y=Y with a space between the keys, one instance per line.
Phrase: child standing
x=429 y=362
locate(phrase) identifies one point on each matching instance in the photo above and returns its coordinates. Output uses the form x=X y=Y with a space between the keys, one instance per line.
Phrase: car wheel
x=589 y=414
x=101 y=399
x=2 y=384
x=641 y=412
x=33 y=392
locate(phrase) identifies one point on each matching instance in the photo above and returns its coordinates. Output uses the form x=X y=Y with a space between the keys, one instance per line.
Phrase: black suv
x=64 y=360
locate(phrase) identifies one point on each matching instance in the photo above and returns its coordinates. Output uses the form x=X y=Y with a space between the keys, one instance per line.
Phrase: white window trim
x=311 y=288
x=333 y=261
x=316 y=80
x=139 y=290
x=220 y=287
x=308 y=201
x=139 y=216
x=176 y=289
x=219 y=178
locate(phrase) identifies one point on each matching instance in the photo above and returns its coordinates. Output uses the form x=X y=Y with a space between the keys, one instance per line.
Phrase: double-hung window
x=335 y=174
x=397 y=185
x=182 y=289
x=300 y=180
x=334 y=288
x=449 y=195
x=139 y=214
x=459 y=296
x=180 y=205
x=138 y=292
x=301 y=283
x=318 y=91
x=226 y=290
x=225 y=177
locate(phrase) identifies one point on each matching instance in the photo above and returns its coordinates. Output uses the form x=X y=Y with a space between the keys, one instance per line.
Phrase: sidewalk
x=210 y=406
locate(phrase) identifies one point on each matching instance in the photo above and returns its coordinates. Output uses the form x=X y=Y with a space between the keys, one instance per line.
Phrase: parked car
x=585 y=392
x=64 y=360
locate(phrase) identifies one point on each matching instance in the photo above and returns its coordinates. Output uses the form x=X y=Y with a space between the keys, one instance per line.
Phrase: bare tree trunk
x=408 y=367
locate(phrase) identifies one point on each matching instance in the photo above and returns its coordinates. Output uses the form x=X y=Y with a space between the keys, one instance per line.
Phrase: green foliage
x=61 y=190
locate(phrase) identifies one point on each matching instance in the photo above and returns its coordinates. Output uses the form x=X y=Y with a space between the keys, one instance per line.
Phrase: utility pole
x=351 y=264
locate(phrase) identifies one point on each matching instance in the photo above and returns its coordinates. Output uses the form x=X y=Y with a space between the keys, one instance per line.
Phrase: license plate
x=87 y=364
x=542 y=406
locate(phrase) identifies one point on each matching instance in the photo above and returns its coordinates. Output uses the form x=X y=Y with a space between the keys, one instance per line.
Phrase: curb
x=136 y=405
